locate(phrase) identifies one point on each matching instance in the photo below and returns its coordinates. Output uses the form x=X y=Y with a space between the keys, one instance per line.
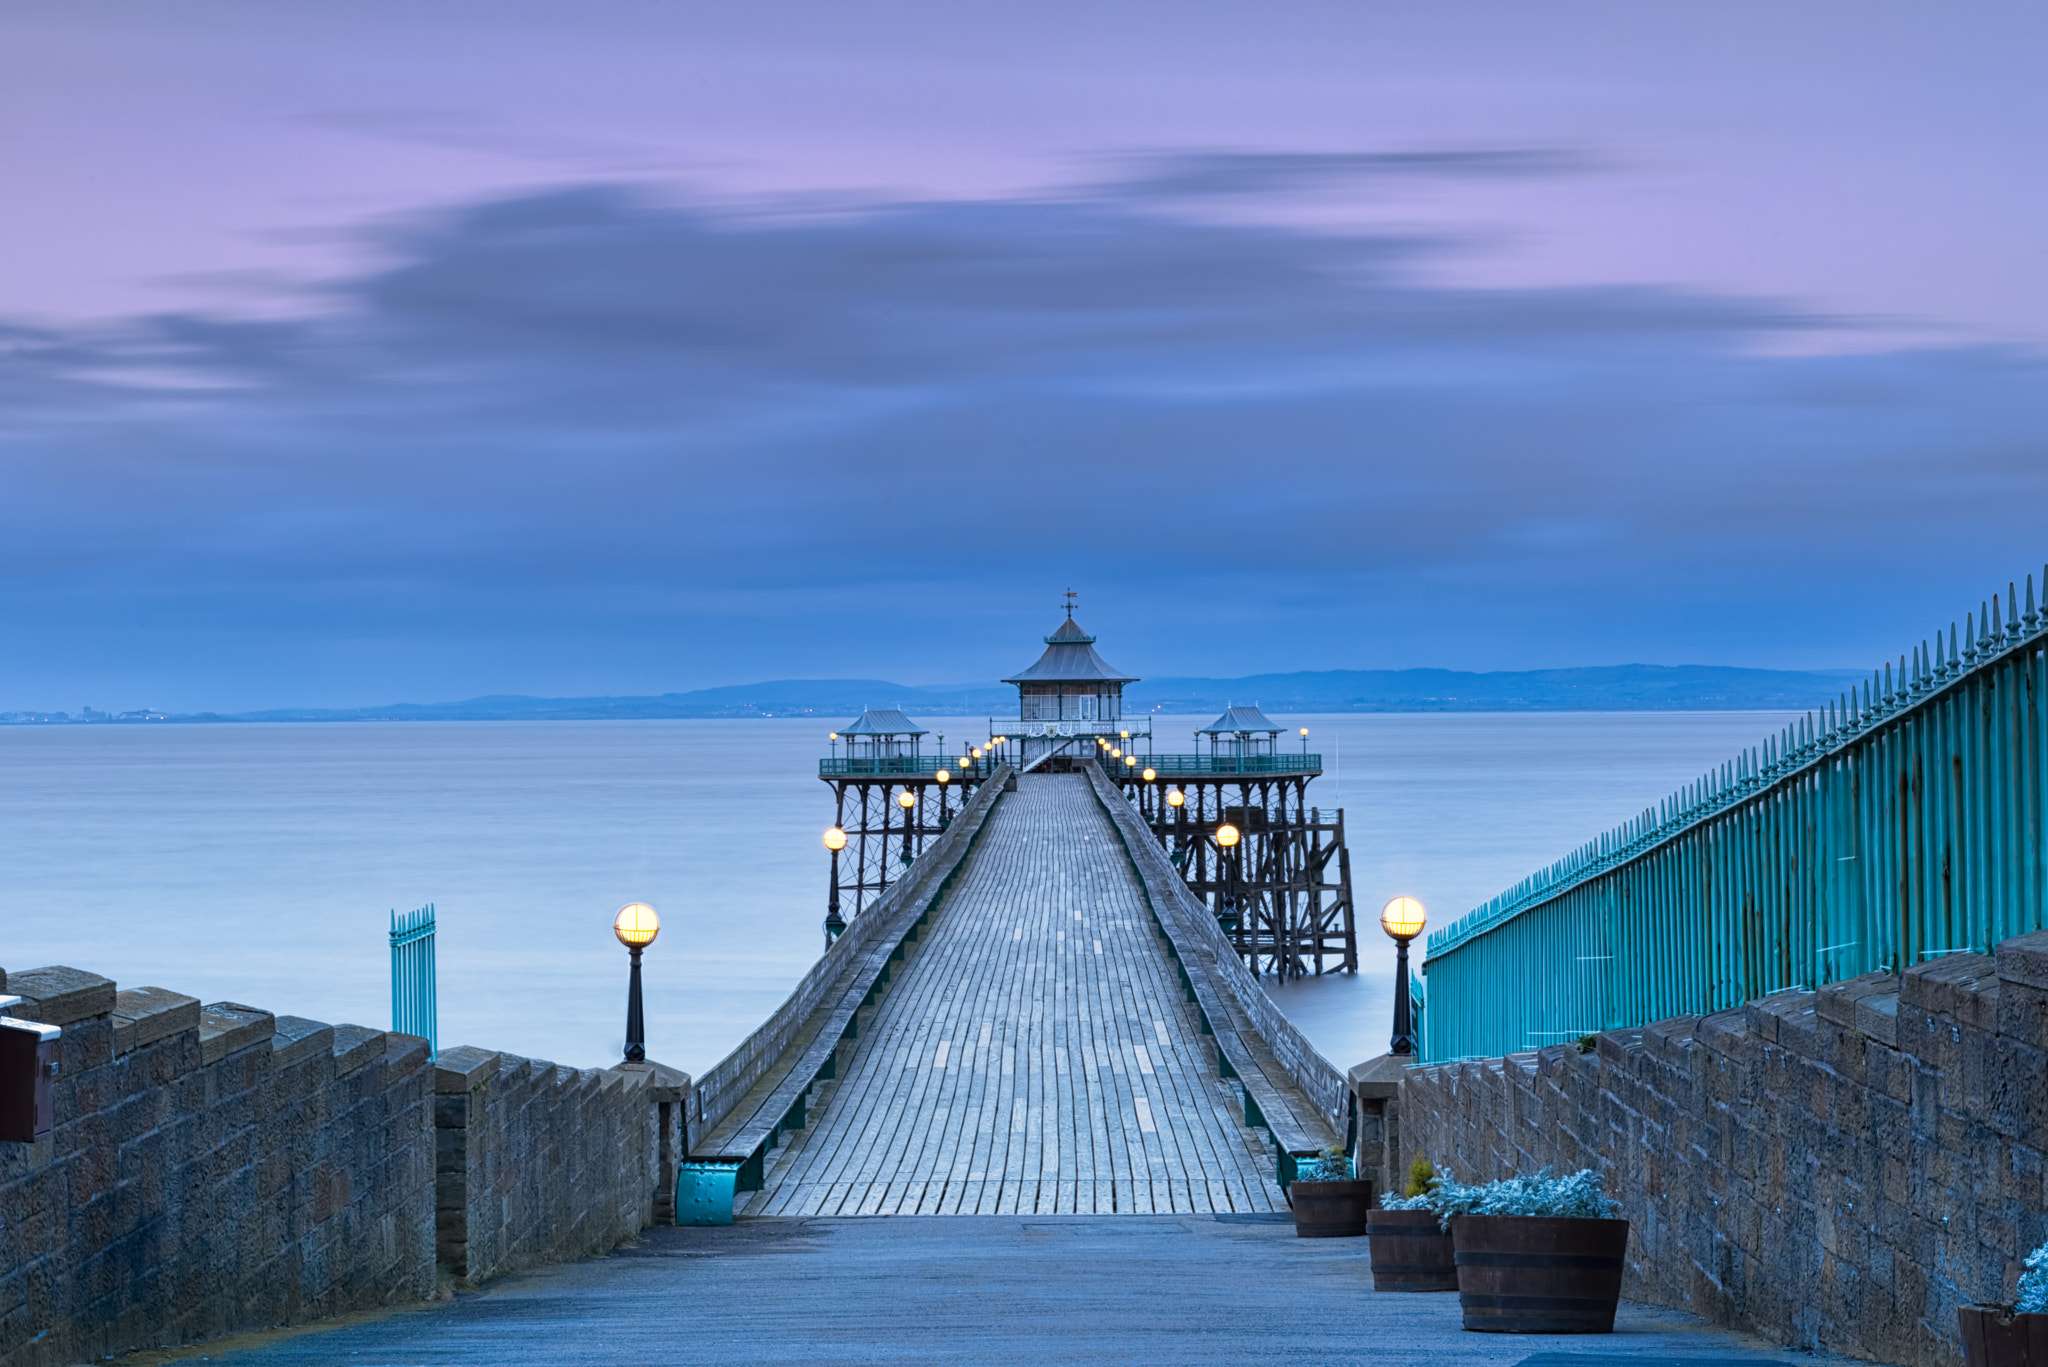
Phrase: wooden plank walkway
x=1037 y=1056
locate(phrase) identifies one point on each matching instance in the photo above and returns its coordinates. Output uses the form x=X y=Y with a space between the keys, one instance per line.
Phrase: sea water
x=259 y=863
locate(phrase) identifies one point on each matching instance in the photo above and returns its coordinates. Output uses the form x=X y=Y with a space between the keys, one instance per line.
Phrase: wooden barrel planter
x=1410 y=1252
x=1530 y=1274
x=1994 y=1337
x=1330 y=1210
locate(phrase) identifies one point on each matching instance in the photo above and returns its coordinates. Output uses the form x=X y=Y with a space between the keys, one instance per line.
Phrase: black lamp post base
x=1403 y=1041
x=636 y=1025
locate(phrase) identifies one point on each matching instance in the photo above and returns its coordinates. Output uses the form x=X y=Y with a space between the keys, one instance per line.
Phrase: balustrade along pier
x=1898 y=824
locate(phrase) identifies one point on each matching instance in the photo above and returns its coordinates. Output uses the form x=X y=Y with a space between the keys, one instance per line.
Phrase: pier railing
x=1318 y=1080
x=1901 y=823
x=1066 y=728
x=720 y=1089
x=886 y=766
x=1202 y=766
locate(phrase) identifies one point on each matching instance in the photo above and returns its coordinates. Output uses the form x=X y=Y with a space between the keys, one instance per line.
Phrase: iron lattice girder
x=1291 y=917
x=882 y=838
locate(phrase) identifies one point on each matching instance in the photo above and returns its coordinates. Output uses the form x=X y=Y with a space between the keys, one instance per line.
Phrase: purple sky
x=394 y=352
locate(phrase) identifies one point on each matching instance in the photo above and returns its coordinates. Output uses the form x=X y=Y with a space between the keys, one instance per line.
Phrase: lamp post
x=835 y=841
x=636 y=925
x=1178 y=801
x=1403 y=920
x=1304 y=742
x=1226 y=839
x=944 y=818
x=906 y=801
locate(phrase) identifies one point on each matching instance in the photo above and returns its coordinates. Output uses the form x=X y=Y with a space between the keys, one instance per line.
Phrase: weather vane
x=1071 y=598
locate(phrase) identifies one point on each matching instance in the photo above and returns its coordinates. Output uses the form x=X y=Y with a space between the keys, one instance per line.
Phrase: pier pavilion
x=1068 y=701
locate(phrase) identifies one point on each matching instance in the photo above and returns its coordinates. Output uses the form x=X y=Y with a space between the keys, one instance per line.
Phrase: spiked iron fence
x=412 y=976
x=1900 y=823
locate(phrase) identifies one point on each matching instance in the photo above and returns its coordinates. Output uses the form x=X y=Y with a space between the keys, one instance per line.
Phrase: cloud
x=605 y=438
x=1208 y=174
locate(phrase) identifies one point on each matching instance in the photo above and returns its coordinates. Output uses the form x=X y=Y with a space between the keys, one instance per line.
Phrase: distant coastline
x=1600 y=688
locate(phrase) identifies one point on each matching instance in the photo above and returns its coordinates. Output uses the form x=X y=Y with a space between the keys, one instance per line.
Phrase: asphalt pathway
x=1043 y=1290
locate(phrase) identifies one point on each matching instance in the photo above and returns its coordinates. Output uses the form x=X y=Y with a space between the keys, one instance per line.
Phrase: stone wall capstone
x=1837 y=1170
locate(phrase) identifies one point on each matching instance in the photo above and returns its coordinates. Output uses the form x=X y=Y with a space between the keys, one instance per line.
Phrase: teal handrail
x=1169 y=766
x=883 y=766
x=1899 y=824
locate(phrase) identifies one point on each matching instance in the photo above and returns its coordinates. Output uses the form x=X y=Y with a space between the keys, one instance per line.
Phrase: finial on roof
x=1071 y=597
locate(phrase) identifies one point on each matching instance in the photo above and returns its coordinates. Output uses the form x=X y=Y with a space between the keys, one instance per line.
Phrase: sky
x=397 y=353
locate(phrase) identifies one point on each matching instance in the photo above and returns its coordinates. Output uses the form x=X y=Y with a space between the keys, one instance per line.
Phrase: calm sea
x=258 y=863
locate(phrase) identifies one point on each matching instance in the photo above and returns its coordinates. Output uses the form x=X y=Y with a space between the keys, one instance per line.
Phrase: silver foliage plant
x=1578 y=1196
x=2033 y=1297
x=1331 y=1165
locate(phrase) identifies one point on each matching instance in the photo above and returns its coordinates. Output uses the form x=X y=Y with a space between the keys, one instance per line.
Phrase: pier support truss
x=883 y=836
x=1283 y=893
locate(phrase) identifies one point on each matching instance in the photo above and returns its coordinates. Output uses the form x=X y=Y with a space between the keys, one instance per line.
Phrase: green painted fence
x=1898 y=824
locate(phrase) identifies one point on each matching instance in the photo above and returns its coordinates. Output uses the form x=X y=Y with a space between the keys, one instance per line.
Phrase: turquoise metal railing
x=1899 y=824
x=412 y=976
x=1170 y=766
x=908 y=766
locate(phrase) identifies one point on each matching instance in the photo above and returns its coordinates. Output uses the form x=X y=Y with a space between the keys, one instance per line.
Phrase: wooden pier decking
x=1037 y=1056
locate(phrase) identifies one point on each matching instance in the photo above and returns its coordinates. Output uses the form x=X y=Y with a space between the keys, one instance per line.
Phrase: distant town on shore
x=1604 y=688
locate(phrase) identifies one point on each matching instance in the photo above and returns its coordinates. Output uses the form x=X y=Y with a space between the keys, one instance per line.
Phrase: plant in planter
x=1410 y=1250
x=2014 y=1335
x=1536 y=1254
x=1328 y=1202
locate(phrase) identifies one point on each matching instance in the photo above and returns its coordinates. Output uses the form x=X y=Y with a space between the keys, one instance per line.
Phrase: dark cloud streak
x=565 y=441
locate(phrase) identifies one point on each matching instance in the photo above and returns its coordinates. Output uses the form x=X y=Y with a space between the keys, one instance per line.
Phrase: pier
x=1037 y=1054
x=1044 y=999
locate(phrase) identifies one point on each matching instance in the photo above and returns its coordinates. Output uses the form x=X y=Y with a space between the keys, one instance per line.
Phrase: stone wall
x=217 y=1169
x=536 y=1162
x=211 y=1169
x=1835 y=1170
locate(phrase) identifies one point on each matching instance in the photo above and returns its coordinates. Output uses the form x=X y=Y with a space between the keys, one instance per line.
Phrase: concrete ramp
x=1038 y=1053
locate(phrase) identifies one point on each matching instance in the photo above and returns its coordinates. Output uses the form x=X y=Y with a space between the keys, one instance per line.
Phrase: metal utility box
x=28 y=1067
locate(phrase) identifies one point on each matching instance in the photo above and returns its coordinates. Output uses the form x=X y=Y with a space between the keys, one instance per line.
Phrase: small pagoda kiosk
x=881 y=741
x=1066 y=701
x=1241 y=733
x=889 y=799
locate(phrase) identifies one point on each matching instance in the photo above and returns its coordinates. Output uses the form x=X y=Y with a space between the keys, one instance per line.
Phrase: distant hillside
x=1608 y=688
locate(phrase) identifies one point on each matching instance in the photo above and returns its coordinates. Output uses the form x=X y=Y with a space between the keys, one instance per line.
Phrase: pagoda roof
x=883 y=721
x=1238 y=721
x=1070 y=658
